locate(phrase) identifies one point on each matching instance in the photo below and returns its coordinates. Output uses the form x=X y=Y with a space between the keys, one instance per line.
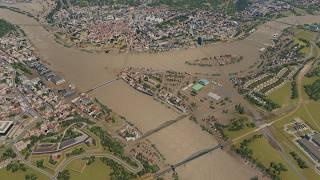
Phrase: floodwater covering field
x=85 y=70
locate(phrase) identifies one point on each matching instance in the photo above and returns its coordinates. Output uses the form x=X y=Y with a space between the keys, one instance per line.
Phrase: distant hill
x=228 y=6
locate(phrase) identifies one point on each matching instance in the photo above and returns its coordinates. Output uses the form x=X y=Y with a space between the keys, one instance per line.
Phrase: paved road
x=29 y=164
x=264 y=127
x=302 y=73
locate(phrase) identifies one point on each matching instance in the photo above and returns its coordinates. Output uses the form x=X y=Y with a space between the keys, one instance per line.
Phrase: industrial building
x=203 y=82
x=197 y=88
x=310 y=148
x=316 y=139
x=5 y=127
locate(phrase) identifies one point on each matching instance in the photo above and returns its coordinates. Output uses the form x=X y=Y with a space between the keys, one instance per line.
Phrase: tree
x=239 y=108
x=91 y=160
x=242 y=5
x=39 y=163
x=16 y=166
x=30 y=177
x=254 y=178
x=64 y=175
x=8 y=153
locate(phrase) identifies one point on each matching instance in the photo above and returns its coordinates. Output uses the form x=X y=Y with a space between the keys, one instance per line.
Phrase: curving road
x=29 y=164
x=116 y=159
x=302 y=73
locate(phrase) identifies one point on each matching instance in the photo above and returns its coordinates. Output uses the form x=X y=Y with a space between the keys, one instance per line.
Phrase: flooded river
x=85 y=70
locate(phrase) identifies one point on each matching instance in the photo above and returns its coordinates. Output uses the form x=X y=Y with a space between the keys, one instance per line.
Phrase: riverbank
x=85 y=70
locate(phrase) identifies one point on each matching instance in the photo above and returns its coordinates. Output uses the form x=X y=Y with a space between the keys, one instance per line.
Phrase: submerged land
x=260 y=85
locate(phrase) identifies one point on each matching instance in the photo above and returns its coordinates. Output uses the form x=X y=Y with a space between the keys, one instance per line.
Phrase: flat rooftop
x=316 y=138
x=5 y=126
x=312 y=149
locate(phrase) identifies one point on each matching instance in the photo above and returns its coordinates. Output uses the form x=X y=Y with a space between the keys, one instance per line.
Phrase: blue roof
x=204 y=82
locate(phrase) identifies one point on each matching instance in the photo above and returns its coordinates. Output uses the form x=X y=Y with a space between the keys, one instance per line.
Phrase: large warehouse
x=5 y=127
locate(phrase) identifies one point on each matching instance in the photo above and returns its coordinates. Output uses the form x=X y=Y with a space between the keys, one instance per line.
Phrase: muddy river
x=85 y=70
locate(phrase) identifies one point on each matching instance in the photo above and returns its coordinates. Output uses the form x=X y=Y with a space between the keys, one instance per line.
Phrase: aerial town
x=147 y=28
x=159 y=89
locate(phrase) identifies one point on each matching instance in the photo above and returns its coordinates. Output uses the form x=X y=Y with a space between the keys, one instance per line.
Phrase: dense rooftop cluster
x=263 y=9
x=41 y=114
x=143 y=28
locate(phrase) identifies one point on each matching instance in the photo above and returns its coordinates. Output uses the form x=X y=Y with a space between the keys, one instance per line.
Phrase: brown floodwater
x=85 y=70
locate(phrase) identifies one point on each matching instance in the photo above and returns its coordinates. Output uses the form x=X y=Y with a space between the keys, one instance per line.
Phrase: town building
x=316 y=139
x=5 y=127
x=57 y=80
x=203 y=82
x=197 y=88
x=310 y=148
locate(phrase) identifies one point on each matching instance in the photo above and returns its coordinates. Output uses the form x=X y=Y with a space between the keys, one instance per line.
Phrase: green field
x=95 y=171
x=286 y=142
x=308 y=111
x=307 y=35
x=19 y=175
x=282 y=96
x=77 y=165
x=266 y=154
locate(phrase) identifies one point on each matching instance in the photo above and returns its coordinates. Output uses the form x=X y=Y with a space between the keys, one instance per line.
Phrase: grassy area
x=286 y=139
x=95 y=171
x=313 y=108
x=51 y=168
x=308 y=81
x=77 y=165
x=307 y=35
x=47 y=165
x=298 y=41
x=5 y=27
x=308 y=112
x=266 y=154
x=282 y=96
x=300 y=36
x=288 y=145
x=313 y=90
x=233 y=134
x=20 y=175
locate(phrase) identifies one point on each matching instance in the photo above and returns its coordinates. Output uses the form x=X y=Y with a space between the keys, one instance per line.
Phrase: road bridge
x=101 y=85
x=194 y=156
x=162 y=126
